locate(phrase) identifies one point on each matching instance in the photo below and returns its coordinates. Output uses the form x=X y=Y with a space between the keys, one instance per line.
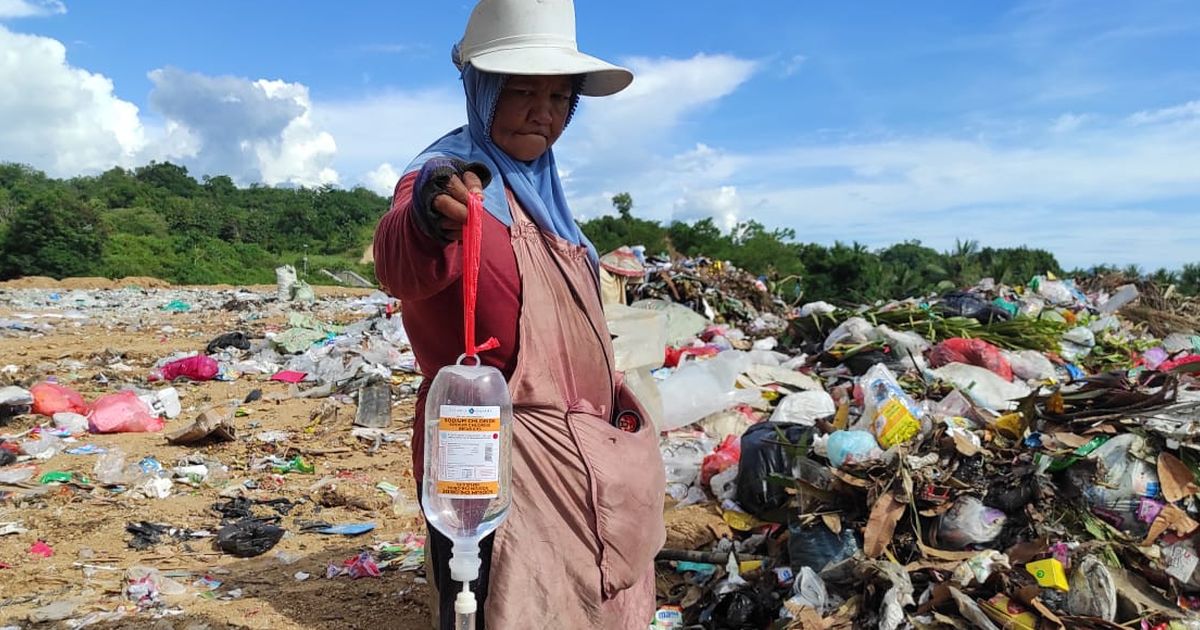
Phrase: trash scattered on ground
x=161 y=451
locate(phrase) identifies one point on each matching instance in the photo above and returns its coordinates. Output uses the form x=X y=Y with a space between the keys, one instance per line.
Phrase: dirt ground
x=85 y=525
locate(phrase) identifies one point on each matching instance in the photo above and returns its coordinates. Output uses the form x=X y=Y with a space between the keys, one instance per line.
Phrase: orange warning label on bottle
x=469 y=452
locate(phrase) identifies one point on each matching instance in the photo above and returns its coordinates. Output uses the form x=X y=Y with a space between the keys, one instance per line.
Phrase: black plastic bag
x=963 y=304
x=248 y=538
x=815 y=547
x=747 y=609
x=229 y=340
x=769 y=448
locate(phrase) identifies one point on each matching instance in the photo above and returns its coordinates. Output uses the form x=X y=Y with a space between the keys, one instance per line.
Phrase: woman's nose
x=542 y=111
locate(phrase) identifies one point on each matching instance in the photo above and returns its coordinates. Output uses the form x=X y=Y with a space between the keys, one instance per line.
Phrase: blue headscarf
x=535 y=184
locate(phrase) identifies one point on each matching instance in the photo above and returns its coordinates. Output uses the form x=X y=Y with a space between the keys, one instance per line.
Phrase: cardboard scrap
x=1170 y=518
x=215 y=424
x=1071 y=440
x=1176 y=478
x=882 y=524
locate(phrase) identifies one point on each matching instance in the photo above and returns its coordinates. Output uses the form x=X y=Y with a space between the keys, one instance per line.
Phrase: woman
x=577 y=548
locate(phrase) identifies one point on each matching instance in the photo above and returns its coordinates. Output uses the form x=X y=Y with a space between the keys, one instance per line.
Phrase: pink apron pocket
x=627 y=485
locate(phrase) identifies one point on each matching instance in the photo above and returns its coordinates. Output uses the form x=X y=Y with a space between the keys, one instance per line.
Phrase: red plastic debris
x=52 y=398
x=40 y=548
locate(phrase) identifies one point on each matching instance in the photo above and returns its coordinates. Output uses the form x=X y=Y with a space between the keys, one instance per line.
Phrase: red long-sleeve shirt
x=426 y=276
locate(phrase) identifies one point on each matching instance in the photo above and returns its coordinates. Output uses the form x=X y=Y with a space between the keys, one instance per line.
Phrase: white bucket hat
x=534 y=37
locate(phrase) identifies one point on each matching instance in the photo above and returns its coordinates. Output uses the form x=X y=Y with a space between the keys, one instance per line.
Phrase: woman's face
x=531 y=114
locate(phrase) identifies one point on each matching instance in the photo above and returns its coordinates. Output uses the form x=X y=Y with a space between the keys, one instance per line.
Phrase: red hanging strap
x=472 y=239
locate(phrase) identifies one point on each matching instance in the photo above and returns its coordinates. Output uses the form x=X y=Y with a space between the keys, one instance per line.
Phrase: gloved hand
x=440 y=195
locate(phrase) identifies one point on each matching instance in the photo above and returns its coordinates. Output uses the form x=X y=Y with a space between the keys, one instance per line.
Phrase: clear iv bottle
x=467 y=489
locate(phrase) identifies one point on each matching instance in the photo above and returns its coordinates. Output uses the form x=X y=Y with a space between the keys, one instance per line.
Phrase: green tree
x=623 y=202
x=55 y=235
x=169 y=177
x=1189 y=279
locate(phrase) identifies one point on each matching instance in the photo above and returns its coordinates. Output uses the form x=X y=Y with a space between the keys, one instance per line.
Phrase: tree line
x=157 y=220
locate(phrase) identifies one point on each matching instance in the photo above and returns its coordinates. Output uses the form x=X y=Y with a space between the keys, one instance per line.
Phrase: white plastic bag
x=804 y=408
x=701 y=388
x=982 y=385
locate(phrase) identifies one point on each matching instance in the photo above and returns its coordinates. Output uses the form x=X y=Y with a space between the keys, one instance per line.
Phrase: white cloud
x=663 y=93
x=1109 y=192
x=390 y=128
x=625 y=140
x=382 y=180
x=792 y=65
x=1068 y=122
x=721 y=204
x=254 y=131
x=30 y=8
x=57 y=117
x=1188 y=110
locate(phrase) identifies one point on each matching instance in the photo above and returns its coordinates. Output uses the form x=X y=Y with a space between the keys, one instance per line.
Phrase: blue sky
x=1073 y=126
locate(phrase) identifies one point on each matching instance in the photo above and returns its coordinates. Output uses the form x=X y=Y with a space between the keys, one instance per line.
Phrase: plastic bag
x=804 y=408
x=640 y=335
x=969 y=522
x=302 y=292
x=810 y=590
x=196 y=368
x=73 y=423
x=815 y=547
x=52 y=398
x=1093 y=592
x=972 y=352
x=1126 y=482
x=110 y=469
x=724 y=484
x=1077 y=343
x=701 y=388
x=1030 y=365
x=982 y=385
x=248 y=537
x=44 y=447
x=122 y=412
x=962 y=304
x=682 y=459
x=766 y=452
x=727 y=454
x=853 y=331
x=285 y=279
x=893 y=416
x=850 y=447
x=235 y=339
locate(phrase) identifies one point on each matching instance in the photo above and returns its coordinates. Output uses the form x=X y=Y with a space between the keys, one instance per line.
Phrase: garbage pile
x=717 y=290
x=997 y=457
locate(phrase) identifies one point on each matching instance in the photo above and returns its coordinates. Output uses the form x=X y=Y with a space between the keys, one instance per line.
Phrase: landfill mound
x=189 y=458
x=992 y=457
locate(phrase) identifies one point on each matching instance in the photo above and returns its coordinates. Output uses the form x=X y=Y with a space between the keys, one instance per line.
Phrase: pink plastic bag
x=972 y=352
x=197 y=368
x=51 y=398
x=122 y=412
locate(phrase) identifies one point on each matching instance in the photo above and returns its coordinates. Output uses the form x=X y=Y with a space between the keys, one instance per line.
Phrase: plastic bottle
x=466 y=492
